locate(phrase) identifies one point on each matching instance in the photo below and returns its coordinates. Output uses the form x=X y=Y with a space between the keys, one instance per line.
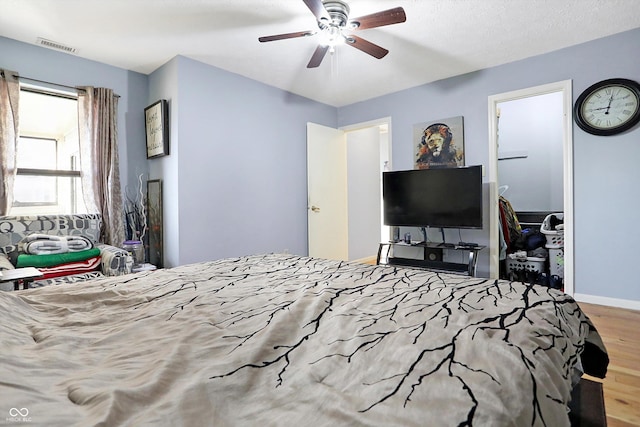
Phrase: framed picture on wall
x=439 y=143
x=154 y=217
x=156 y=117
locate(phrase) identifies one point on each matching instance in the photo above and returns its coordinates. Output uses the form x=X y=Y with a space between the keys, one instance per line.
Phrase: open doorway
x=344 y=168
x=368 y=155
x=564 y=88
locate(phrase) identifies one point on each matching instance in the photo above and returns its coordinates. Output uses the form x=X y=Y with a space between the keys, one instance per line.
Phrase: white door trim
x=371 y=123
x=565 y=87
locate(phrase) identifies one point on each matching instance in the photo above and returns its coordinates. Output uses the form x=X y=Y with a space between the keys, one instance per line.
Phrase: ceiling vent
x=55 y=45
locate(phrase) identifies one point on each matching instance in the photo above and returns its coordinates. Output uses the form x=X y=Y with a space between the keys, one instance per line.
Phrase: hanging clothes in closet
x=510 y=229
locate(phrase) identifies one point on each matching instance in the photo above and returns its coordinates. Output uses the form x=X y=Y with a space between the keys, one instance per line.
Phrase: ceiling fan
x=333 y=22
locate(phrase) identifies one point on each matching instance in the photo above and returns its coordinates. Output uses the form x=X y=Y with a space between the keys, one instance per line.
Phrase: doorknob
x=315 y=209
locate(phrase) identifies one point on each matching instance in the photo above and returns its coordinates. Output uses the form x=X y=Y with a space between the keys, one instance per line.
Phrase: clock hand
x=609 y=106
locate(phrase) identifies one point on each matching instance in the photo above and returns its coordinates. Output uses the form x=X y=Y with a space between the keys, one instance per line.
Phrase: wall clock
x=156 y=117
x=608 y=107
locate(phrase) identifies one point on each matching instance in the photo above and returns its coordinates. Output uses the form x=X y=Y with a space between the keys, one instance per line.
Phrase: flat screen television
x=443 y=198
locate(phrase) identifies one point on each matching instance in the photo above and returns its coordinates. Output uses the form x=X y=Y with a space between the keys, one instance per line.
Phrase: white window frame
x=20 y=208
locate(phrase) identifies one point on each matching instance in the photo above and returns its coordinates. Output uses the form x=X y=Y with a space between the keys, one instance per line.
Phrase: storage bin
x=136 y=250
x=534 y=264
x=556 y=262
x=555 y=238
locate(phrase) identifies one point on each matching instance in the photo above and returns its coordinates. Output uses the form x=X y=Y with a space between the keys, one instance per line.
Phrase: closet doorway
x=562 y=88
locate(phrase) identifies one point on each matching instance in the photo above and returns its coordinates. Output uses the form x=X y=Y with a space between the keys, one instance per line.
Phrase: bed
x=283 y=340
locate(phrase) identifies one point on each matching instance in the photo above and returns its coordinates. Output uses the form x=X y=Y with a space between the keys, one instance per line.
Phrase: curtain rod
x=77 y=89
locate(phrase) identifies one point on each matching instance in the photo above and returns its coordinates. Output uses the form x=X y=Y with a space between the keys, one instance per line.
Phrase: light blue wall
x=532 y=127
x=606 y=171
x=65 y=69
x=163 y=85
x=240 y=184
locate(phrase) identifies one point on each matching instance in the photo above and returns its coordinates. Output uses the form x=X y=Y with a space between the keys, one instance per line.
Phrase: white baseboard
x=611 y=302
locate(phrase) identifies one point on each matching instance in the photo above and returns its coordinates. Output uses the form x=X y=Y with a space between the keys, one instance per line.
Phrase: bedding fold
x=40 y=244
x=66 y=269
x=51 y=260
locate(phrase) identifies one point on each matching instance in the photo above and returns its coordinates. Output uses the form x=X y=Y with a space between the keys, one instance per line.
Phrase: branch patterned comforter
x=282 y=340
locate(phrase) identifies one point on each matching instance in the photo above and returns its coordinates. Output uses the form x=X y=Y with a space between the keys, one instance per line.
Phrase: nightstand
x=20 y=275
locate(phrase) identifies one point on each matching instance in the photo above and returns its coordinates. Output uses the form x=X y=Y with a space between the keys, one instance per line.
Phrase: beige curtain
x=97 y=117
x=9 y=101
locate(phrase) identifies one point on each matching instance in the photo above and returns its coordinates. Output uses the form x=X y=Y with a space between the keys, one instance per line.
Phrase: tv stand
x=446 y=245
x=432 y=256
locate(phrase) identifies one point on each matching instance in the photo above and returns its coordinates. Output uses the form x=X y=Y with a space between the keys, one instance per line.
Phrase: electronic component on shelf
x=467 y=244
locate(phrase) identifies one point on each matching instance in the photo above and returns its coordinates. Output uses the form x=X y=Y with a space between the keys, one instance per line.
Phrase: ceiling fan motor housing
x=338 y=11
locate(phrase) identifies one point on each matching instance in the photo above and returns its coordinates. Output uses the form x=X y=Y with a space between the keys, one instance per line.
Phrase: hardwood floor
x=620 y=331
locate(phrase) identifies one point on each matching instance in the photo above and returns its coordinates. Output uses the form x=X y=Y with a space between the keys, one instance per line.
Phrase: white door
x=327 y=193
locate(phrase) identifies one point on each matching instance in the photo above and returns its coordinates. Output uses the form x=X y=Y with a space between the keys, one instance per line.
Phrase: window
x=48 y=177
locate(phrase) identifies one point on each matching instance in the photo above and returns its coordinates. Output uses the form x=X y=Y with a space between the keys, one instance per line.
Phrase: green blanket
x=51 y=260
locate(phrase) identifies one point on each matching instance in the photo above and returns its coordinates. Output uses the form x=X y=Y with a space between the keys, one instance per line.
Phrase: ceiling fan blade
x=317 y=8
x=378 y=19
x=318 y=56
x=285 y=36
x=366 y=46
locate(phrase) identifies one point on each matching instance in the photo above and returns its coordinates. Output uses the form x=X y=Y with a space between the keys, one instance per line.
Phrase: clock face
x=609 y=107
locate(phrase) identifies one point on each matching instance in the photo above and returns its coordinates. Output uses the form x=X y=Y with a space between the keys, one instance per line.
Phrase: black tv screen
x=444 y=198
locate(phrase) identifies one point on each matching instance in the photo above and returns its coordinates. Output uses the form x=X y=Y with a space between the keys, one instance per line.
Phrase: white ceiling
x=440 y=39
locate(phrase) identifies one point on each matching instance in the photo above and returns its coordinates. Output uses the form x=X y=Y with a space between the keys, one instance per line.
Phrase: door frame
x=565 y=87
x=381 y=122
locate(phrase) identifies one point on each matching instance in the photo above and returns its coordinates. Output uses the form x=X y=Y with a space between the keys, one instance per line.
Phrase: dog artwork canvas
x=439 y=143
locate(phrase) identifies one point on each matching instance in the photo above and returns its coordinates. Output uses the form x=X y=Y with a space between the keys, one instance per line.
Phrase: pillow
x=115 y=261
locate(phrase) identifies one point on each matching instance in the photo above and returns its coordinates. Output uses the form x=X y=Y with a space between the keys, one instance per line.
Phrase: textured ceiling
x=440 y=39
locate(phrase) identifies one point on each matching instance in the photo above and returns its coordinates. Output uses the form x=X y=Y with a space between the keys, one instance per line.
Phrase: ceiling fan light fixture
x=332 y=36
